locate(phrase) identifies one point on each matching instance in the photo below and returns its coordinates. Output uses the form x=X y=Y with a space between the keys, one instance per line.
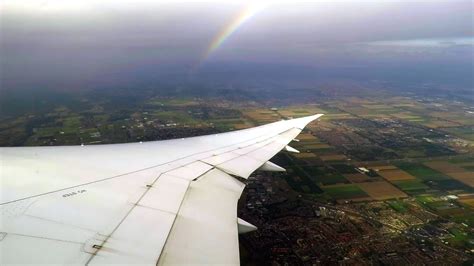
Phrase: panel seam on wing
x=129 y=173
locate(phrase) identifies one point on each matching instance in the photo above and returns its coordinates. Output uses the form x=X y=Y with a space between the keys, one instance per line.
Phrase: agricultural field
x=421 y=171
x=398 y=205
x=299 y=111
x=460 y=238
x=346 y=192
x=466 y=132
x=261 y=116
x=404 y=156
x=395 y=175
x=357 y=178
x=305 y=155
x=467 y=199
x=323 y=175
x=333 y=157
x=381 y=190
x=411 y=186
x=299 y=182
x=454 y=171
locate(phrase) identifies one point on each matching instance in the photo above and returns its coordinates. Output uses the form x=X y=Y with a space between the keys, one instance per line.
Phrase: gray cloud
x=81 y=47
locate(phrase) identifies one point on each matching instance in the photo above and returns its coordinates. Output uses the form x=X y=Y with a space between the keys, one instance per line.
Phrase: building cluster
x=293 y=230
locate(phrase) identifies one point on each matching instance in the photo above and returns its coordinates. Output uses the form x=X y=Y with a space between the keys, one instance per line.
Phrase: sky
x=63 y=44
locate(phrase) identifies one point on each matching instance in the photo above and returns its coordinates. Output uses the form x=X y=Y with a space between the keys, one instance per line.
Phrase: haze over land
x=97 y=44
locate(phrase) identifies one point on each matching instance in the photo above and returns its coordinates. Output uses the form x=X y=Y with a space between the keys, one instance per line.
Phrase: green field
x=450 y=184
x=47 y=131
x=330 y=179
x=345 y=192
x=469 y=168
x=298 y=179
x=345 y=168
x=72 y=122
x=462 y=159
x=466 y=217
x=324 y=175
x=421 y=171
x=411 y=186
x=462 y=132
x=424 y=199
x=171 y=101
x=398 y=205
x=460 y=238
x=173 y=116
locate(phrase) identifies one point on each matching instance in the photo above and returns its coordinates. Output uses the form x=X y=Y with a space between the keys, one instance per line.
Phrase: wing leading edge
x=163 y=202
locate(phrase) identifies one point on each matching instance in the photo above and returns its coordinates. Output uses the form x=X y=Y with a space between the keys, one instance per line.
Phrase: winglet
x=245 y=227
x=291 y=149
x=271 y=167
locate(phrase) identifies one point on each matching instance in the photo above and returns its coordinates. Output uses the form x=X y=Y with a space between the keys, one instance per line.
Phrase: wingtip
x=316 y=116
x=303 y=121
x=312 y=117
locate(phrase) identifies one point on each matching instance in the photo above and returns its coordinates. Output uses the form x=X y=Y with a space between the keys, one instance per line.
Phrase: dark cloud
x=92 y=43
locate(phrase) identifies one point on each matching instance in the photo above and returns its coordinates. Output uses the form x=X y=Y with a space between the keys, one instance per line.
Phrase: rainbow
x=231 y=28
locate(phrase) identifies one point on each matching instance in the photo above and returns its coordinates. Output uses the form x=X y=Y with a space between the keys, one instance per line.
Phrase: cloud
x=80 y=43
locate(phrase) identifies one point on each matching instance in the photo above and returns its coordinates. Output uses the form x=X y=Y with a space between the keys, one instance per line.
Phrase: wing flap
x=241 y=166
x=137 y=240
x=21 y=249
x=190 y=171
x=166 y=194
x=206 y=223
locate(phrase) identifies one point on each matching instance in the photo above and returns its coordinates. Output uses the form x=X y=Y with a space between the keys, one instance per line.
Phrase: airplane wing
x=160 y=202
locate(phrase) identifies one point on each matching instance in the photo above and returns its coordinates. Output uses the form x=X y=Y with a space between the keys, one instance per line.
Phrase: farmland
x=387 y=164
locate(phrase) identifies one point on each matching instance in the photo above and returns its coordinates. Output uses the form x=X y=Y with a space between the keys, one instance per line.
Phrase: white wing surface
x=162 y=202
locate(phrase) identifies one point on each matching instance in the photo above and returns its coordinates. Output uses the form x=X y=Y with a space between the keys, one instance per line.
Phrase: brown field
x=375 y=165
x=464 y=177
x=441 y=114
x=337 y=116
x=406 y=116
x=300 y=111
x=381 y=190
x=306 y=137
x=465 y=164
x=454 y=171
x=310 y=108
x=375 y=106
x=440 y=123
x=406 y=104
x=383 y=167
x=466 y=121
x=467 y=199
x=469 y=202
x=291 y=114
x=304 y=155
x=395 y=175
x=333 y=157
x=363 y=199
x=356 y=178
x=241 y=126
x=317 y=146
x=444 y=167
x=262 y=115
x=358 y=110
x=380 y=116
